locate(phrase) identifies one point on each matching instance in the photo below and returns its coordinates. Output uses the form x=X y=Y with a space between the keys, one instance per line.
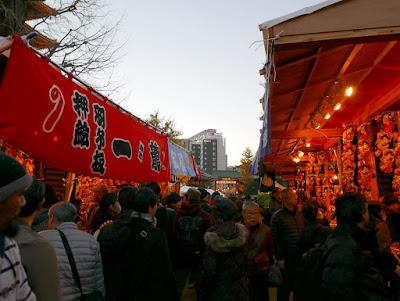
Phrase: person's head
x=204 y=195
x=247 y=197
x=109 y=205
x=376 y=211
x=223 y=210
x=62 y=212
x=99 y=191
x=251 y=214
x=14 y=181
x=173 y=200
x=289 y=198
x=155 y=187
x=310 y=212
x=276 y=192
x=34 y=197
x=192 y=195
x=215 y=194
x=126 y=197
x=352 y=209
x=391 y=202
x=50 y=196
x=145 y=201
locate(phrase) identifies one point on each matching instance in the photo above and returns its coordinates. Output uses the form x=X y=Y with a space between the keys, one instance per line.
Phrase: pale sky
x=190 y=60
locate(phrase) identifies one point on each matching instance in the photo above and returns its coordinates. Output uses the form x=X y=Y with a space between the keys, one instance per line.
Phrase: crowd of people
x=133 y=244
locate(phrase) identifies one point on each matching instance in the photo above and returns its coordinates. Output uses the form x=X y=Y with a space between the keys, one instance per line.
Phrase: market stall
x=333 y=92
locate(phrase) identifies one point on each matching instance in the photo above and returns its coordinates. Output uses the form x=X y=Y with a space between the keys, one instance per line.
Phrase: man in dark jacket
x=106 y=238
x=286 y=225
x=393 y=216
x=144 y=270
x=260 y=251
x=314 y=232
x=349 y=272
x=191 y=222
x=161 y=214
x=205 y=200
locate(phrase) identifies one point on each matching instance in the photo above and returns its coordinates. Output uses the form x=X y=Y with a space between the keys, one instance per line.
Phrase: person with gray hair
x=259 y=253
x=85 y=251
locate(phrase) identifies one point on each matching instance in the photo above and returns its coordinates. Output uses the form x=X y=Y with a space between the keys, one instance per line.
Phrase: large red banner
x=57 y=122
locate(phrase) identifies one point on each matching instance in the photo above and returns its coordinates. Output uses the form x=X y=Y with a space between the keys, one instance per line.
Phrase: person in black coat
x=224 y=275
x=349 y=272
x=393 y=216
x=286 y=225
x=314 y=232
x=106 y=238
x=144 y=270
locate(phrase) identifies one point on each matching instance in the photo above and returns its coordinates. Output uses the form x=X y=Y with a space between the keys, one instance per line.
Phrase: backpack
x=310 y=270
x=190 y=235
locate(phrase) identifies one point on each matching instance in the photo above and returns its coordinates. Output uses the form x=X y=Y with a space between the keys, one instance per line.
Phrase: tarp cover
x=59 y=123
x=180 y=164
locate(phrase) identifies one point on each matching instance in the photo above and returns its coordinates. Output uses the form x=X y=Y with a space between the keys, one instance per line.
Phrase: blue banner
x=264 y=147
x=179 y=161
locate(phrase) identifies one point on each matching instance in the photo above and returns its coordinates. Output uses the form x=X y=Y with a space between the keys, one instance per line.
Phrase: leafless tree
x=86 y=38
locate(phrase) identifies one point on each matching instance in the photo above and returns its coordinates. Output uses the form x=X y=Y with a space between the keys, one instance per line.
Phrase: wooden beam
x=350 y=58
x=307 y=133
x=270 y=158
x=337 y=35
x=376 y=107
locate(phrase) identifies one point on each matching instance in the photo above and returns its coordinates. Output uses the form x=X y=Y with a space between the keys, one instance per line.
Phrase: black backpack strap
x=71 y=259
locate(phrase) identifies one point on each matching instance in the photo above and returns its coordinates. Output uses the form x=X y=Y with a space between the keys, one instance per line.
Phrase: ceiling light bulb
x=300 y=154
x=349 y=91
x=308 y=144
x=335 y=177
x=297 y=160
x=315 y=125
x=335 y=105
x=325 y=115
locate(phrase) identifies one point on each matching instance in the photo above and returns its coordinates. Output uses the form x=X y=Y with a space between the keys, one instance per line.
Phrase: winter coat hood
x=222 y=238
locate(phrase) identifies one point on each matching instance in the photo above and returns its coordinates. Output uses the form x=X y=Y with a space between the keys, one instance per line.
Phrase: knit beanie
x=13 y=177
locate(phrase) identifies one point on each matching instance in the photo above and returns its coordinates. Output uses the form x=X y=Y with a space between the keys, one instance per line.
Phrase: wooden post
x=69 y=186
x=340 y=163
x=374 y=174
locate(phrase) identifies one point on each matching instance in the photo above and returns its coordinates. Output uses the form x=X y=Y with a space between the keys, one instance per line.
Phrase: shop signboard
x=56 y=121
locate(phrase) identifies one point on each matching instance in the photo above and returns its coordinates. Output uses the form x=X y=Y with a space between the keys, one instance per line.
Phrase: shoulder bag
x=93 y=296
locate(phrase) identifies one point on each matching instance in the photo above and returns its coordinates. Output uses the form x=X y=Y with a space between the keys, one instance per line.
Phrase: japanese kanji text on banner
x=59 y=123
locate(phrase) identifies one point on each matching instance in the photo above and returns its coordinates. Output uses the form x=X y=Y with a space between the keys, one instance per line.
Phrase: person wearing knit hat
x=14 y=181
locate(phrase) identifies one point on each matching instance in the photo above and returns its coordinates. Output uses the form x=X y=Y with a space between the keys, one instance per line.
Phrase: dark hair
x=390 y=199
x=155 y=187
x=106 y=201
x=374 y=208
x=247 y=197
x=203 y=193
x=144 y=198
x=126 y=197
x=50 y=196
x=214 y=195
x=172 y=198
x=350 y=208
x=310 y=212
x=33 y=196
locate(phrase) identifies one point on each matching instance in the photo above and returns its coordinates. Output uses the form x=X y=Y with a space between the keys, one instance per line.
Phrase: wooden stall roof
x=343 y=43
